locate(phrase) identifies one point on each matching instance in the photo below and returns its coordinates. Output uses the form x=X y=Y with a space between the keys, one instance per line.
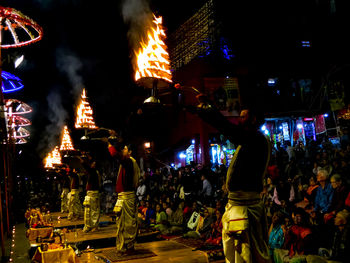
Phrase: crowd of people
x=306 y=194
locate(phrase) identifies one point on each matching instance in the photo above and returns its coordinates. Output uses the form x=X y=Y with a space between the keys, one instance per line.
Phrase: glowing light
x=152 y=57
x=147 y=144
x=53 y=158
x=182 y=156
x=263 y=128
x=325 y=115
x=10 y=82
x=193 y=141
x=22 y=30
x=299 y=126
x=84 y=114
x=66 y=143
x=18 y=61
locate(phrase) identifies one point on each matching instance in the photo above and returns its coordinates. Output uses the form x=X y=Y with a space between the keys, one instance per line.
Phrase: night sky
x=85 y=44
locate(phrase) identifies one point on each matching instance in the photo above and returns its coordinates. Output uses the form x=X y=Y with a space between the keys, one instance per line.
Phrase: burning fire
x=66 y=143
x=84 y=114
x=53 y=158
x=152 y=58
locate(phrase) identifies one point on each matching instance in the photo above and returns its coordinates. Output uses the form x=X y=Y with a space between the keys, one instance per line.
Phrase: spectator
x=161 y=219
x=298 y=238
x=206 y=191
x=276 y=232
x=203 y=227
x=338 y=199
x=215 y=236
x=324 y=193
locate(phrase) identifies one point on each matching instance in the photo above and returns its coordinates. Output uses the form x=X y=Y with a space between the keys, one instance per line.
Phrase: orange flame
x=152 y=58
x=53 y=158
x=66 y=143
x=84 y=114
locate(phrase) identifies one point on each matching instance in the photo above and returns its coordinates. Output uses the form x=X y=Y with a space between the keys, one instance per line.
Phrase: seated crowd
x=306 y=195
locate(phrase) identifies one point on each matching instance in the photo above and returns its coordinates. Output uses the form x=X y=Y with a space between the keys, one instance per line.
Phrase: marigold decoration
x=53 y=158
x=84 y=118
x=152 y=57
x=66 y=143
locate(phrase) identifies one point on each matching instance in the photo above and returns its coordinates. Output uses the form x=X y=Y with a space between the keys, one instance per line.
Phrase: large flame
x=66 y=143
x=84 y=114
x=152 y=58
x=53 y=158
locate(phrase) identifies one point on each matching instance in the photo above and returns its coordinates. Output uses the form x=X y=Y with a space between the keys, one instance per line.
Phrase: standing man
x=92 y=199
x=65 y=190
x=244 y=233
x=74 y=205
x=126 y=206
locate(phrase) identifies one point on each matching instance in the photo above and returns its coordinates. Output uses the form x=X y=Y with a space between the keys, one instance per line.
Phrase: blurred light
x=271 y=82
x=280 y=127
x=172 y=165
x=147 y=145
x=325 y=115
x=299 y=126
x=266 y=132
x=182 y=156
x=18 y=61
x=193 y=141
x=263 y=128
x=305 y=43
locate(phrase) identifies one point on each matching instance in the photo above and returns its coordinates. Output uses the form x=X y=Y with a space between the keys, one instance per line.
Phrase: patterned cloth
x=91 y=210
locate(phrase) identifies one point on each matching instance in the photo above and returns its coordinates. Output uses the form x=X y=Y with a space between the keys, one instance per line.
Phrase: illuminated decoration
x=152 y=57
x=18 y=107
x=15 y=122
x=10 y=82
x=190 y=152
x=20 y=133
x=20 y=121
x=66 y=143
x=285 y=129
x=53 y=158
x=84 y=114
x=17 y=29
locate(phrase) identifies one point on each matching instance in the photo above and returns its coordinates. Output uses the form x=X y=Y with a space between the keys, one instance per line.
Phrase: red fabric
x=296 y=237
x=119 y=186
x=273 y=171
x=347 y=200
x=112 y=150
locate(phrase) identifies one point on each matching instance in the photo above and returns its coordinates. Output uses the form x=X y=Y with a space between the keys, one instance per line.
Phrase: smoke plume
x=57 y=116
x=137 y=15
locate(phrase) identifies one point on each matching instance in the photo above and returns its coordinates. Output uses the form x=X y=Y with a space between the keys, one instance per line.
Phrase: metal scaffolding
x=194 y=38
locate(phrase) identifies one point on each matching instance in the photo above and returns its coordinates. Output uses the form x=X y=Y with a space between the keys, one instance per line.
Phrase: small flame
x=152 y=58
x=84 y=114
x=66 y=143
x=53 y=158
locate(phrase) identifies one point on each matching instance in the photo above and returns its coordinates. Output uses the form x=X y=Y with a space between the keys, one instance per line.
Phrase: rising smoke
x=137 y=15
x=57 y=116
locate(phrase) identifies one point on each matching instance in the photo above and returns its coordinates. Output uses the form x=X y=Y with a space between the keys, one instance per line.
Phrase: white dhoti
x=126 y=221
x=64 y=200
x=244 y=233
x=74 y=205
x=91 y=210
